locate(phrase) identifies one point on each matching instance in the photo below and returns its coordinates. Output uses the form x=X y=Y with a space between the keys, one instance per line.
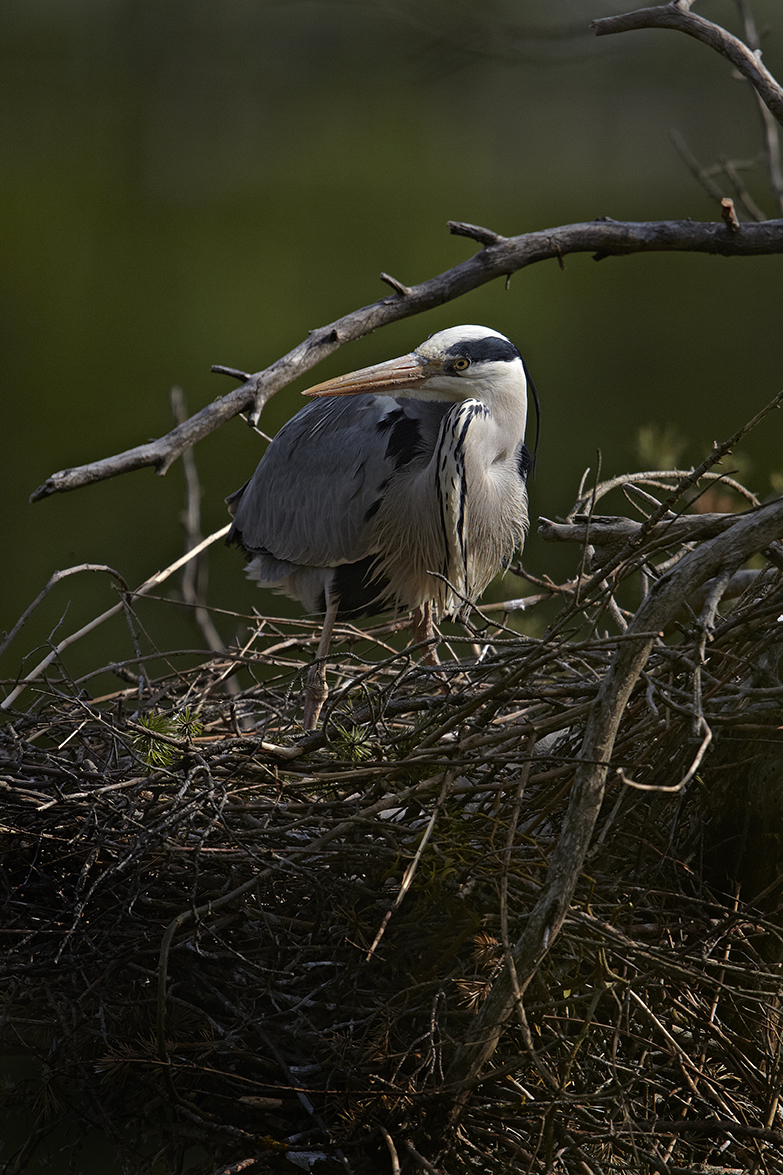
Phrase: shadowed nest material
x=230 y=946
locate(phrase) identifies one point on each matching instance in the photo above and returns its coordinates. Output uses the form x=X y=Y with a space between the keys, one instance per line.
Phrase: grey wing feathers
x=313 y=496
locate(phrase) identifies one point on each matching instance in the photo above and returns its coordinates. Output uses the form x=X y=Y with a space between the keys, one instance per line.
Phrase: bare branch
x=502 y=257
x=697 y=170
x=142 y=590
x=676 y=16
x=194 y=575
x=616 y=532
x=751 y=533
x=662 y=513
x=484 y=236
x=731 y=170
x=771 y=136
x=401 y=289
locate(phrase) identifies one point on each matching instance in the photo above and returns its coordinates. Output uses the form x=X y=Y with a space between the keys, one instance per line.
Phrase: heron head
x=460 y=363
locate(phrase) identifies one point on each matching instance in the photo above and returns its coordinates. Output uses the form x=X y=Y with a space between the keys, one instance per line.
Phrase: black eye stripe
x=486 y=350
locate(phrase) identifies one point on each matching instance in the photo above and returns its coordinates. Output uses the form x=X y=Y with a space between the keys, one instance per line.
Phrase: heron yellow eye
x=461 y=364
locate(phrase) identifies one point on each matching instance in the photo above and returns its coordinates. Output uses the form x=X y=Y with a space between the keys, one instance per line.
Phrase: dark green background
x=187 y=182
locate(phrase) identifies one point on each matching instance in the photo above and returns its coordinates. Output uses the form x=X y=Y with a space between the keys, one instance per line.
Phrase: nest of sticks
x=233 y=946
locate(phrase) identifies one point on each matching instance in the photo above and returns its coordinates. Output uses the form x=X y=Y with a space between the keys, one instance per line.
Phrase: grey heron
x=402 y=486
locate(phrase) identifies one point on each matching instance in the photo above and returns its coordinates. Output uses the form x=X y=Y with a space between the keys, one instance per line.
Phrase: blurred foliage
x=660 y=447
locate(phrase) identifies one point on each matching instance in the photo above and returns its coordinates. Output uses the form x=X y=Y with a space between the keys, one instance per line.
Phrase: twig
x=142 y=590
x=613 y=532
x=696 y=169
x=685 y=482
x=485 y=236
x=771 y=136
x=425 y=1164
x=662 y=478
x=195 y=571
x=727 y=167
x=590 y=512
x=403 y=291
x=163 y=962
x=394 y=1157
x=410 y=872
x=55 y=579
x=728 y=213
x=731 y=170
x=687 y=777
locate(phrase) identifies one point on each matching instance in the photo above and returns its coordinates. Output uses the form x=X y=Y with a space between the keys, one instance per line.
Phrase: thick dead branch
x=504 y=256
x=608 y=532
x=748 y=535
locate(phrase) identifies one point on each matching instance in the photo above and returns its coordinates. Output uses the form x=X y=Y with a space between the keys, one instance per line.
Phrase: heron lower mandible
x=405 y=469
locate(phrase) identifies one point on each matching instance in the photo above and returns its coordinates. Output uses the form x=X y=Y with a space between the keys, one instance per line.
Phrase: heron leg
x=423 y=629
x=316 y=690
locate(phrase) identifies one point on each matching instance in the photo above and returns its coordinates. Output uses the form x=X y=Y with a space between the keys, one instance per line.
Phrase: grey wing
x=312 y=498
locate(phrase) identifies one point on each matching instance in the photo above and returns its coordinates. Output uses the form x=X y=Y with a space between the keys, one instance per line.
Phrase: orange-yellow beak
x=382 y=378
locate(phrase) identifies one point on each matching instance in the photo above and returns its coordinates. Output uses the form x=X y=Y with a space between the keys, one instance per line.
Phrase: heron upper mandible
x=398 y=471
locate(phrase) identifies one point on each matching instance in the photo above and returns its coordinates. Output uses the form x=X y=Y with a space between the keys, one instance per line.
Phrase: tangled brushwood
x=231 y=946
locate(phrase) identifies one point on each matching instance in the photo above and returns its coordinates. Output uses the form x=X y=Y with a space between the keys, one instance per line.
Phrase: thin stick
x=55 y=579
x=410 y=872
x=147 y=586
x=771 y=135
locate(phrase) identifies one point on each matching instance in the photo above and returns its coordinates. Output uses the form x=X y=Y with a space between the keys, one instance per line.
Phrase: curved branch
x=500 y=257
x=677 y=16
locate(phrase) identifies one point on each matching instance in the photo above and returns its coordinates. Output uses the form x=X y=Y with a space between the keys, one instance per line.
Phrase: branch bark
x=676 y=16
x=500 y=257
x=608 y=532
x=749 y=534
